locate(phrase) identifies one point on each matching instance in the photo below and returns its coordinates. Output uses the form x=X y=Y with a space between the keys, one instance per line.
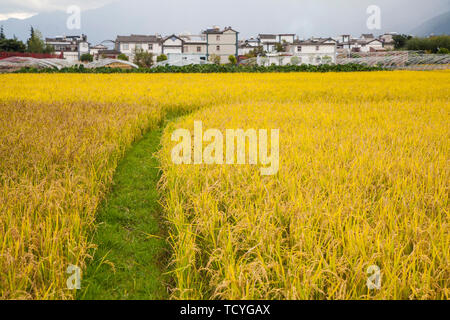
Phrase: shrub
x=214 y=58
x=213 y=68
x=432 y=44
x=86 y=57
x=123 y=57
x=295 y=60
x=161 y=58
x=232 y=59
x=143 y=59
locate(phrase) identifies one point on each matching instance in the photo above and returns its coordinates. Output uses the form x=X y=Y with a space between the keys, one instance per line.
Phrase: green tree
x=143 y=59
x=400 y=40
x=123 y=57
x=86 y=57
x=161 y=58
x=214 y=58
x=279 y=47
x=431 y=44
x=258 y=51
x=35 y=44
x=295 y=61
x=327 y=60
x=10 y=45
x=232 y=59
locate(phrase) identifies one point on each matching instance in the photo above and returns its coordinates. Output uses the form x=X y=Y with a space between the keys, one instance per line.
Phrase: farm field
x=363 y=180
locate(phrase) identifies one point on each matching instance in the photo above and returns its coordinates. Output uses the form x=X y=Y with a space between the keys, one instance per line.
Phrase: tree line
x=433 y=44
x=34 y=44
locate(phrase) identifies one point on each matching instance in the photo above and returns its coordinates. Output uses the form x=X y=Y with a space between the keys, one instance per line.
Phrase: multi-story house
x=367 y=36
x=366 y=43
x=222 y=43
x=195 y=48
x=314 y=51
x=374 y=45
x=252 y=42
x=172 y=45
x=287 y=38
x=94 y=50
x=185 y=49
x=70 y=47
x=245 y=48
x=270 y=42
x=388 y=39
x=130 y=44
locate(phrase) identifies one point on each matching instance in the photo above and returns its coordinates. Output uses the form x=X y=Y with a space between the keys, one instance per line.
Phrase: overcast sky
x=250 y=17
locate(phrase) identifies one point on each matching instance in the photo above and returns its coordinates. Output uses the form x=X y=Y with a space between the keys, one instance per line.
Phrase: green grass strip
x=132 y=253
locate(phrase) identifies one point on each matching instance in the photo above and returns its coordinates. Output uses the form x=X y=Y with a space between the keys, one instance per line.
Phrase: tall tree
x=35 y=44
x=400 y=40
x=143 y=58
x=10 y=45
x=2 y=33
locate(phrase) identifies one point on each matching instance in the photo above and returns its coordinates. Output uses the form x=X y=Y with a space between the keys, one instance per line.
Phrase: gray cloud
x=303 y=17
x=40 y=6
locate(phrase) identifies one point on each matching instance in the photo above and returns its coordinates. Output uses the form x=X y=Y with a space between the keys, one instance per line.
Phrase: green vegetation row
x=435 y=44
x=210 y=68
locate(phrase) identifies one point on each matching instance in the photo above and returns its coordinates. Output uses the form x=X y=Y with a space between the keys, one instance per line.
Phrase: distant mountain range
x=138 y=17
x=438 y=25
x=98 y=24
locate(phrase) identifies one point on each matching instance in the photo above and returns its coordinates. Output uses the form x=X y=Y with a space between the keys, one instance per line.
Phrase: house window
x=218 y=48
x=317 y=48
x=199 y=49
x=299 y=48
x=126 y=46
x=218 y=38
x=150 y=46
x=138 y=46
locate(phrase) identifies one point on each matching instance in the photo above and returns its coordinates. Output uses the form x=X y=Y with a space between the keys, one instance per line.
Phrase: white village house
x=183 y=49
x=314 y=51
x=70 y=47
x=222 y=43
x=130 y=44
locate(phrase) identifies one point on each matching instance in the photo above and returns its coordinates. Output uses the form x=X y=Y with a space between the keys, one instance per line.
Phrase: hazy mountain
x=99 y=24
x=437 y=25
x=306 y=18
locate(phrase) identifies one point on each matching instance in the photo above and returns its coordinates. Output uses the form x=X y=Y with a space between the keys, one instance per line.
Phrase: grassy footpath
x=132 y=252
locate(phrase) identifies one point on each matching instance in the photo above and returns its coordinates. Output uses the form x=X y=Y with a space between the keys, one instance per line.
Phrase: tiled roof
x=218 y=31
x=267 y=36
x=138 y=38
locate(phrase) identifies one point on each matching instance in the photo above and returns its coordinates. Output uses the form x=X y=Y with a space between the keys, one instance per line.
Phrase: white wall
x=244 y=51
x=71 y=56
x=83 y=47
x=310 y=55
x=156 y=48
x=227 y=43
x=373 y=44
x=288 y=39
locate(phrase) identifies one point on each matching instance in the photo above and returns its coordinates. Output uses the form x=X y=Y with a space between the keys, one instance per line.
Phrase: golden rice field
x=363 y=180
